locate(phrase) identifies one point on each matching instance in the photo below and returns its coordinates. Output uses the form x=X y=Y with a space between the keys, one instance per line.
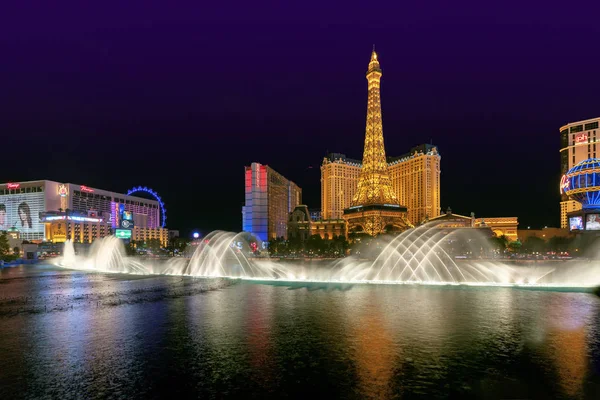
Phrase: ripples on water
x=67 y=334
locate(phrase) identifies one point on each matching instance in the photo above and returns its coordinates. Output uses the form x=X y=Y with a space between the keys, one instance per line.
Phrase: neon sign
x=13 y=185
x=86 y=189
x=564 y=184
x=63 y=191
x=70 y=218
x=582 y=137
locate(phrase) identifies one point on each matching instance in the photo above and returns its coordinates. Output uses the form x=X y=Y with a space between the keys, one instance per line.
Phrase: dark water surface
x=73 y=335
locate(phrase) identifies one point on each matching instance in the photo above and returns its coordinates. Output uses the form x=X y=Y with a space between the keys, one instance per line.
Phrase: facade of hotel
x=339 y=179
x=415 y=180
x=53 y=211
x=269 y=199
x=578 y=143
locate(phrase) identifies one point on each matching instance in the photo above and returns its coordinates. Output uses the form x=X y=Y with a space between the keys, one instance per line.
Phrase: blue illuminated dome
x=582 y=183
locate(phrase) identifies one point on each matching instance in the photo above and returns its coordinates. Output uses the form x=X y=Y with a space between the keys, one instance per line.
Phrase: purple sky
x=180 y=96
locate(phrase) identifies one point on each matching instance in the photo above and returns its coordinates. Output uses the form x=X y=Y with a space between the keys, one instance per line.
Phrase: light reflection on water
x=261 y=341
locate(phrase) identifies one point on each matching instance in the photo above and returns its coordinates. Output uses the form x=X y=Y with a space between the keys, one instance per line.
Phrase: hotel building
x=339 y=179
x=415 y=180
x=53 y=211
x=578 y=142
x=269 y=199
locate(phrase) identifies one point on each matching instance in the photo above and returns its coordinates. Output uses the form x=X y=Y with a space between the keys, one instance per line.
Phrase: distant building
x=315 y=215
x=499 y=226
x=140 y=234
x=173 y=233
x=545 y=233
x=415 y=180
x=269 y=199
x=299 y=224
x=578 y=143
x=302 y=226
x=47 y=210
x=339 y=179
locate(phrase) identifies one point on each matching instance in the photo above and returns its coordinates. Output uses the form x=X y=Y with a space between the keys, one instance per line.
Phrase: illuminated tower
x=374 y=208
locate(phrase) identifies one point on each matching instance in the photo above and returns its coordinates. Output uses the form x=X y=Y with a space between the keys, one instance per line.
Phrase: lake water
x=72 y=335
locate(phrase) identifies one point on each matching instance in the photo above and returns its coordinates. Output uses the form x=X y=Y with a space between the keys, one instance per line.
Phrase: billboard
x=22 y=211
x=576 y=223
x=592 y=222
x=126 y=219
x=123 y=233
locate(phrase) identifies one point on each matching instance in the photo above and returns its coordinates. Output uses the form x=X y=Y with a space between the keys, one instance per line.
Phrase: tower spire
x=374 y=184
x=374 y=208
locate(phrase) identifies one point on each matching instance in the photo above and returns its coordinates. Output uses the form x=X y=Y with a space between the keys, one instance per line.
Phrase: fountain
x=422 y=255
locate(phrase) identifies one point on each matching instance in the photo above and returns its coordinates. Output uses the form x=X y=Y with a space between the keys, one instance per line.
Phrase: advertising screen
x=123 y=233
x=22 y=211
x=576 y=223
x=592 y=222
x=128 y=215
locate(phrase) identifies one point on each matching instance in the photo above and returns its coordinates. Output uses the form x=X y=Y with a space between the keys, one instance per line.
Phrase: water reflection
x=375 y=353
x=267 y=341
x=567 y=340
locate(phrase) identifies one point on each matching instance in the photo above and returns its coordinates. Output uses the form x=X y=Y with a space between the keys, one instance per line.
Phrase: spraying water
x=417 y=256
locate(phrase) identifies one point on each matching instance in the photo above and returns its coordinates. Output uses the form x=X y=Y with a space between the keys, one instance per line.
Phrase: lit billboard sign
x=576 y=223
x=63 y=190
x=22 y=211
x=13 y=185
x=592 y=222
x=76 y=218
x=86 y=189
x=581 y=138
x=126 y=218
x=123 y=233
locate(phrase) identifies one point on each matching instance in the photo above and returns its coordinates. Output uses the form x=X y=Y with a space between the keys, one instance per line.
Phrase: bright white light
x=196 y=235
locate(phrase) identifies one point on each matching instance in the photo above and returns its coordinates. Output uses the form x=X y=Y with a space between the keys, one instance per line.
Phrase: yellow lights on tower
x=374 y=185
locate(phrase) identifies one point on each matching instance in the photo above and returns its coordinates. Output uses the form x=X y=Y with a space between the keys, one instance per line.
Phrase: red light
x=13 y=185
x=582 y=137
x=86 y=189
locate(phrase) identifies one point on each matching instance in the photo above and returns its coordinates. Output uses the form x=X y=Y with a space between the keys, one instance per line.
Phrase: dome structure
x=582 y=183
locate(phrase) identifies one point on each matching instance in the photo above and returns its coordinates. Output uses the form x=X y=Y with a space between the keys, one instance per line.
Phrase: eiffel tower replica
x=374 y=209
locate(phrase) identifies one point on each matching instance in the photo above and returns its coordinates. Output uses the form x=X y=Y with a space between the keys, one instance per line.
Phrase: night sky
x=180 y=96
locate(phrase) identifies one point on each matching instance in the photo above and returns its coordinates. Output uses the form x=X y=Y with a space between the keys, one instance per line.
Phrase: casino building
x=269 y=199
x=578 y=143
x=415 y=179
x=45 y=210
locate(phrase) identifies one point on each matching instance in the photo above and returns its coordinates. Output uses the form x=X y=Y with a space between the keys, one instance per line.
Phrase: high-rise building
x=416 y=182
x=269 y=199
x=374 y=208
x=578 y=143
x=59 y=211
x=415 y=179
x=339 y=179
